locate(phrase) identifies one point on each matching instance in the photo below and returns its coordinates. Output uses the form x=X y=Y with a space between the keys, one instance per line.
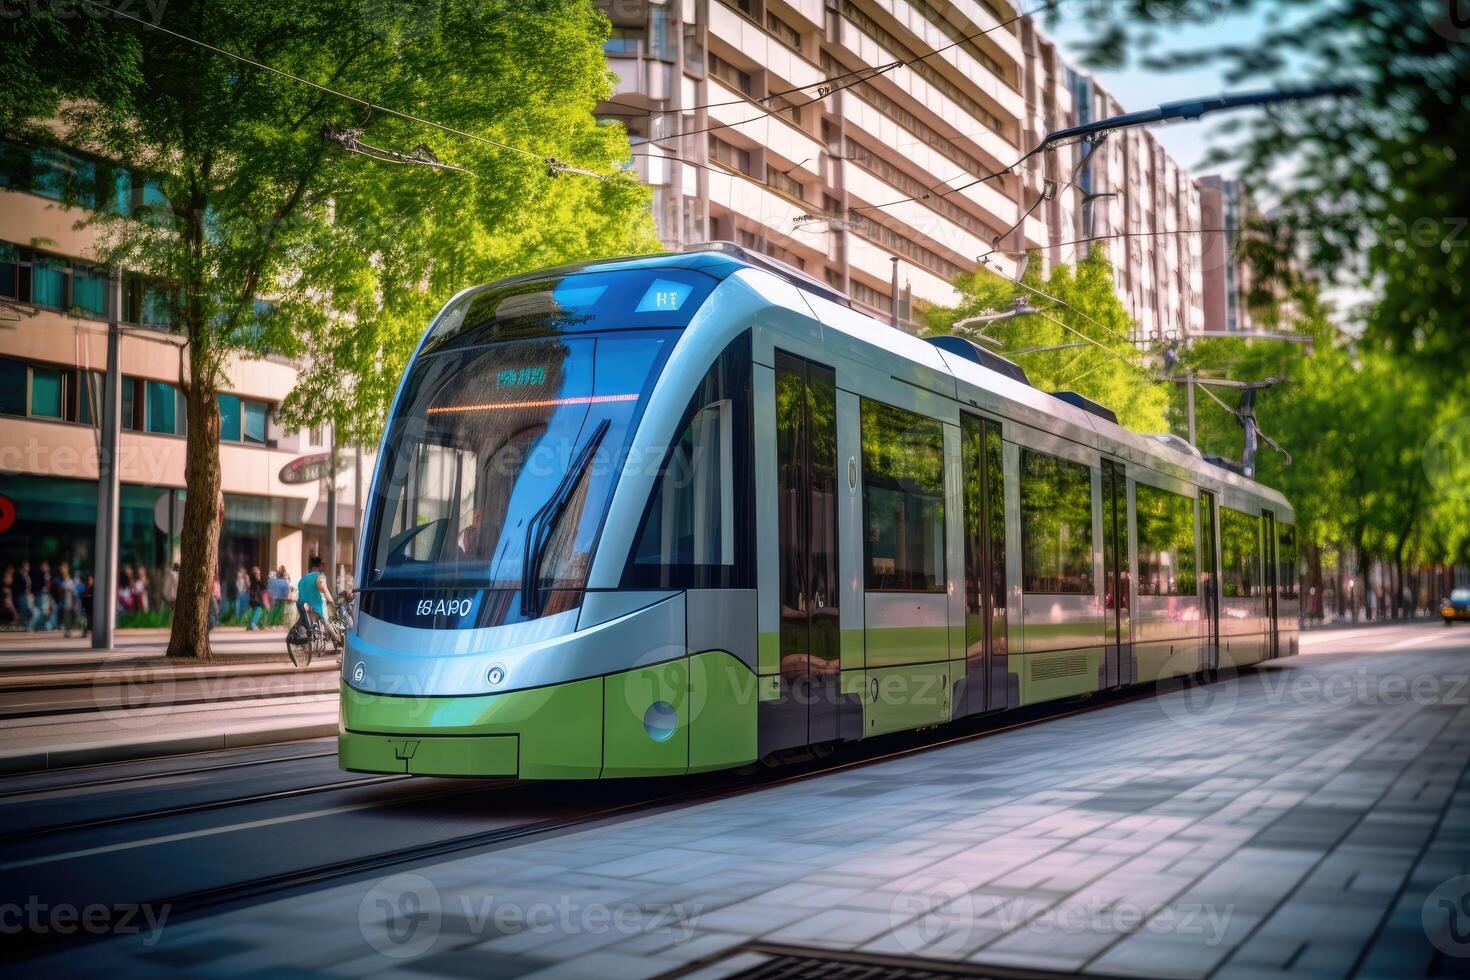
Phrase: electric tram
x=679 y=513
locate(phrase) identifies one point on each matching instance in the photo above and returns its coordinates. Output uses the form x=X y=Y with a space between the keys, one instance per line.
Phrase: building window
x=89 y=289
x=1056 y=525
x=165 y=411
x=693 y=50
x=696 y=532
x=783 y=31
x=242 y=420
x=624 y=40
x=1166 y=541
x=662 y=45
x=255 y=418
x=731 y=156
x=146 y=303
x=728 y=73
x=784 y=182
x=903 y=500
x=12 y=386
x=1240 y=554
x=48 y=282
x=46 y=393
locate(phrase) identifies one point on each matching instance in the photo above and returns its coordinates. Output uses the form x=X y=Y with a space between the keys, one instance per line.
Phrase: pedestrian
x=171 y=585
x=242 y=592
x=87 y=597
x=279 y=590
x=255 y=590
x=23 y=594
x=126 y=601
x=64 y=594
x=9 y=614
x=140 y=590
x=214 y=602
x=42 y=611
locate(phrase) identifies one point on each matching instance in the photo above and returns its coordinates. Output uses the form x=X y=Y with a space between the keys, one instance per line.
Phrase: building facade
x=883 y=116
x=54 y=311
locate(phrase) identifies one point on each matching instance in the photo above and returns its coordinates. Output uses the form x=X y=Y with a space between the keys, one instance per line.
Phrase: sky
x=1136 y=88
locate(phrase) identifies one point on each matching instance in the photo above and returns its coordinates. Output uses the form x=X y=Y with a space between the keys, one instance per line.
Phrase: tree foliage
x=247 y=201
x=1370 y=188
x=1077 y=305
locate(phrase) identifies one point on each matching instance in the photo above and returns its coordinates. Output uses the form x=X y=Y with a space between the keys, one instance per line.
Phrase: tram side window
x=903 y=500
x=1056 y=525
x=1165 y=541
x=1240 y=554
x=1289 y=574
x=697 y=531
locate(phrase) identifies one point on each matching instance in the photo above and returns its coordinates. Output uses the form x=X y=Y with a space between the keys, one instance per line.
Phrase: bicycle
x=310 y=637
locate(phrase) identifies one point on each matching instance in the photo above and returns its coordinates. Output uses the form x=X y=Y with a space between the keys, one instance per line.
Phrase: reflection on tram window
x=1165 y=542
x=903 y=500
x=698 y=529
x=1240 y=554
x=1056 y=525
x=1289 y=575
x=483 y=442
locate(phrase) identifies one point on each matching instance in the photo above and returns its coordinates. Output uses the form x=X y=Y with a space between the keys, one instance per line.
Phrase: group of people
x=260 y=601
x=44 y=597
x=41 y=598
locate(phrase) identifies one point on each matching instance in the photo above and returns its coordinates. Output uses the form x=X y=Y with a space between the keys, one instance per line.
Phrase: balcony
x=772 y=131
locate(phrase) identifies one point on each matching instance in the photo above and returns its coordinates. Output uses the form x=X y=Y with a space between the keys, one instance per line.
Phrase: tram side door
x=1209 y=556
x=1270 y=573
x=983 y=476
x=806 y=467
x=1118 y=654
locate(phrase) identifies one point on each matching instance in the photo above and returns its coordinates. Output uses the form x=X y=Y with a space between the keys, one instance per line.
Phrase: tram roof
x=723 y=259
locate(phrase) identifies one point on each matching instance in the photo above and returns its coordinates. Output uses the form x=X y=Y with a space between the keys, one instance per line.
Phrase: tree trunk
x=203 y=518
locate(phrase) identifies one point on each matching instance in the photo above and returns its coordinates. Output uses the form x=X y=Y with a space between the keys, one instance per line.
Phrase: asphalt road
x=234 y=827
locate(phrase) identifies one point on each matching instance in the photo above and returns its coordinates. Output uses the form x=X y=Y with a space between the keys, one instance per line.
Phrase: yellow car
x=1457 y=606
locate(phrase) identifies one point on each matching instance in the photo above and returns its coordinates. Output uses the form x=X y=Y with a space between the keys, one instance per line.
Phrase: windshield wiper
x=538 y=533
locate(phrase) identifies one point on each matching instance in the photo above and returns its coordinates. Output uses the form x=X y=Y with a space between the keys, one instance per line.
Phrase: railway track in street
x=536 y=808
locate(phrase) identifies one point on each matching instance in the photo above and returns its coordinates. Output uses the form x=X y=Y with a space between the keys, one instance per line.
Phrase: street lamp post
x=104 y=575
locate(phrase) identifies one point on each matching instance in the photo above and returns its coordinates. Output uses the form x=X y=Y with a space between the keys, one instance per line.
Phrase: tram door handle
x=820 y=600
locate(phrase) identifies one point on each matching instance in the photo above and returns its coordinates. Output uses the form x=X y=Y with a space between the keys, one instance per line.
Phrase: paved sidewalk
x=1303 y=820
x=29 y=652
x=114 y=734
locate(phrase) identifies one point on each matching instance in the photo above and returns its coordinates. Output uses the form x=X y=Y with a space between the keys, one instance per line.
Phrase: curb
x=91 y=755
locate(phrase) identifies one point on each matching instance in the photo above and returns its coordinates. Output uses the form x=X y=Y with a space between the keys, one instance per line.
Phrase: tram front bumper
x=545 y=733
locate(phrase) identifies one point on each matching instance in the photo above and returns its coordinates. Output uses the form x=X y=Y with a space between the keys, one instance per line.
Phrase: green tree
x=1372 y=187
x=247 y=200
x=1077 y=306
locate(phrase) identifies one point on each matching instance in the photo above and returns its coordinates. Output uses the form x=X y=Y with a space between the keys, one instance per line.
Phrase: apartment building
x=827 y=179
x=1226 y=279
x=54 y=310
x=858 y=163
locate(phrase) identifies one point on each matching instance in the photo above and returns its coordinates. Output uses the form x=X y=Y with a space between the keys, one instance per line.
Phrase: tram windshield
x=503 y=458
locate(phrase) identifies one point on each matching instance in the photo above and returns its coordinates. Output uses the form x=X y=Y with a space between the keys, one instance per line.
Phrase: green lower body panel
x=645 y=726
x=694 y=713
x=722 y=712
x=557 y=731
x=911 y=696
x=1059 y=674
x=434 y=755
